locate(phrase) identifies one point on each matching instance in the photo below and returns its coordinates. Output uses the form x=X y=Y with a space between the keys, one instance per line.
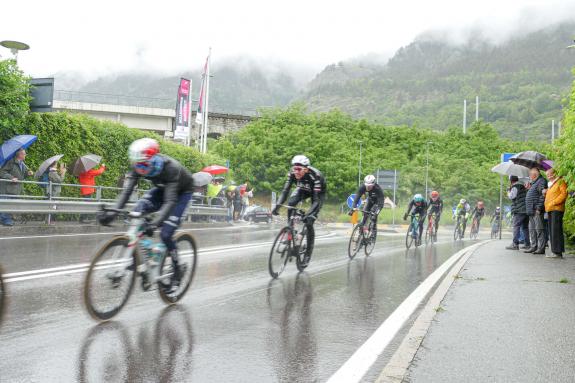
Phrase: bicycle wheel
x=305 y=249
x=280 y=252
x=110 y=279
x=2 y=294
x=355 y=242
x=473 y=231
x=429 y=232
x=370 y=241
x=173 y=289
x=409 y=237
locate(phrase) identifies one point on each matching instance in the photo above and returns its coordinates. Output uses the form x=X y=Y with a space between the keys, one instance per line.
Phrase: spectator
x=88 y=180
x=237 y=201
x=230 y=193
x=56 y=176
x=555 y=197
x=535 y=205
x=14 y=170
x=516 y=194
x=247 y=194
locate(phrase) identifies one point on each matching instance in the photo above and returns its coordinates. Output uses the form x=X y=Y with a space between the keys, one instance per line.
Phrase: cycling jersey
x=375 y=196
x=311 y=185
x=478 y=212
x=435 y=206
x=461 y=209
x=418 y=207
x=174 y=180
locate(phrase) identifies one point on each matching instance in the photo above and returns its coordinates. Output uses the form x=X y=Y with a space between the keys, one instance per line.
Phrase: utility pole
x=427 y=166
x=359 y=165
x=476 y=108
x=464 y=116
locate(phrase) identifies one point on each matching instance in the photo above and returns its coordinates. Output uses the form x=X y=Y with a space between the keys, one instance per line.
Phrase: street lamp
x=359 y=165
x=427 y=165
x=14 y=47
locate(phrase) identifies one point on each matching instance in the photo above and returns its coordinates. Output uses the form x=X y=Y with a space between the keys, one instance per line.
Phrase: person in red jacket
x=88 y=181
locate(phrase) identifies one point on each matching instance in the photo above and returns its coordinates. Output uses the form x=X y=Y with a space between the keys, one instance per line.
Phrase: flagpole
x=207 y=93
x=189 y=143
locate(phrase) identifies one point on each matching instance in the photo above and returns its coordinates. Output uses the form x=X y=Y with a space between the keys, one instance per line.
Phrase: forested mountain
x=521 y=83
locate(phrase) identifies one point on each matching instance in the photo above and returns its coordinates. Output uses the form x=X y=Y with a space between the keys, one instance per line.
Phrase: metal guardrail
x=201 y=205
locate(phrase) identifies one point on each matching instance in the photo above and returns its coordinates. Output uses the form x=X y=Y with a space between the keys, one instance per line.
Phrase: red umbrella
x=215 y=169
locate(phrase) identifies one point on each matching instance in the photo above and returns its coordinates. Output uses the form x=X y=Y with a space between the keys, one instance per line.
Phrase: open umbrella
x=215 y=169
x=44 y=165
x=10 y=147
x=547 y=164
x=201 y=178
x=529 y=159
x=510 y=169
x=85 y=163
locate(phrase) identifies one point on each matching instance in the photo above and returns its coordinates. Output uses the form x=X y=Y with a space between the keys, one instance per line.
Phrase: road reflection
x=161 y=353
x=291 y=338
x=361 y=280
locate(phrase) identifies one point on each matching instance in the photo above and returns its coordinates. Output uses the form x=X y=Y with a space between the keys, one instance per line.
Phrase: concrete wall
x=155 y=119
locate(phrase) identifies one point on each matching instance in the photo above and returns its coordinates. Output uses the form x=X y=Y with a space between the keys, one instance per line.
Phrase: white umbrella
x=510 y=169
x=44 y=165
x=202 y=178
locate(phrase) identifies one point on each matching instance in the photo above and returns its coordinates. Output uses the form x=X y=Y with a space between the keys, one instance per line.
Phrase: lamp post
x=427 y=165
x=359 y=165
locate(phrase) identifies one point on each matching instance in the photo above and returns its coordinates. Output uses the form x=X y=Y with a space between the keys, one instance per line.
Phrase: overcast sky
x=98 y=37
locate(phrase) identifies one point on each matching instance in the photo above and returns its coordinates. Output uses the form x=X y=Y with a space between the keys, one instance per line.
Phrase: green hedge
x=74 y=135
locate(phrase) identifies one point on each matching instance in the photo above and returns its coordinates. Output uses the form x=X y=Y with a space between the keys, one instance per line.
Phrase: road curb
x=396 y=369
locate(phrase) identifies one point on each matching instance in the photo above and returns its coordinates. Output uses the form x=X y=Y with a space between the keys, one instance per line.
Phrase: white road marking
x=81 y=267
x=366 y=355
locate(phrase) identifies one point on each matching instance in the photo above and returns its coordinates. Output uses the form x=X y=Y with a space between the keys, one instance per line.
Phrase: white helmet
x=300 y=159
x=463 y=201
x=143 y=150
x=369 y=180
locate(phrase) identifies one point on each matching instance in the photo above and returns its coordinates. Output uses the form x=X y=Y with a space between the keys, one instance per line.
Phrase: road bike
x=458 y=231
x=294 y=241
x=112 y=273
x=474 y=231
x=363 y=236
x=431 y=231
x=495 y=229
x=413 y=232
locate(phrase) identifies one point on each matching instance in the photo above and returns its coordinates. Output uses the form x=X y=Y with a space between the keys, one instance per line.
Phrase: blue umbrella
x=10 y=147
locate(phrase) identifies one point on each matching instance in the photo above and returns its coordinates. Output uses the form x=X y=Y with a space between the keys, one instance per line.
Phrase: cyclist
x=462 y=210
x=375 y=199
x=419 y=206
x=478 y=212
x=496 y=217
x=435 y=206
x=169 y=197
x=310 y=183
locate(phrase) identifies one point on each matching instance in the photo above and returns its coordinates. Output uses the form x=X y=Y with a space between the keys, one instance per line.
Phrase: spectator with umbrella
x=84 y=168
x=535 y=207
x=516 y=194
x=49 y=171
x=12 y=156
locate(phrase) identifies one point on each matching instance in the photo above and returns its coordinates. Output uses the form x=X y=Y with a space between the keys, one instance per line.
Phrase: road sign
x=350 y=201
x=387 y=179
x=506 y=156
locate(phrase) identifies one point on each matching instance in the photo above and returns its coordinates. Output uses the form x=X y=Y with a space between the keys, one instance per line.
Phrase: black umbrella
x=44 y=165
x=85 y=163
x=529 y=159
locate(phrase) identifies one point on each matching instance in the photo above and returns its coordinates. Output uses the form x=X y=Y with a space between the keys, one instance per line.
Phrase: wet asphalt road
x=234 y=325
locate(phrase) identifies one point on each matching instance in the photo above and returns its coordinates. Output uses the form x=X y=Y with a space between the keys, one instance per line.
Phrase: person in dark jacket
x=375 y=199
x=173 y=186
x=535 y=207
x=13 y=170
x=516 y=194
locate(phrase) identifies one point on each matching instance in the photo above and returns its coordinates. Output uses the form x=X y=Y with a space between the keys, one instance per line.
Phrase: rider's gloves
x=350 y=213
x=276 y=210
x=106 y=217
